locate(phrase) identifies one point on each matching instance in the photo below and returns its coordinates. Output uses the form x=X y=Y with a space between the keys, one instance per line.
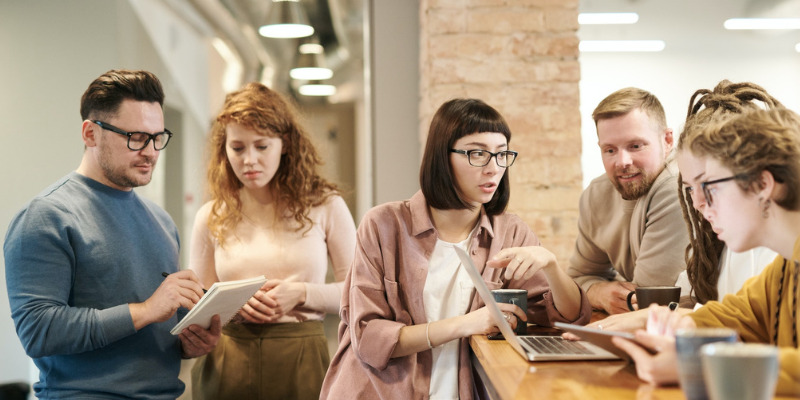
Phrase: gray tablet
x=601 y=338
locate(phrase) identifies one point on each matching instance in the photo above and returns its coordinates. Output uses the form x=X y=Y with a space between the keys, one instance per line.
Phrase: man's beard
x=119 y=175
x=636 y=189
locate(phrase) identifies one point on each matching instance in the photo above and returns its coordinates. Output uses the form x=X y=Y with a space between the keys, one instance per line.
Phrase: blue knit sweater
x=75 y=256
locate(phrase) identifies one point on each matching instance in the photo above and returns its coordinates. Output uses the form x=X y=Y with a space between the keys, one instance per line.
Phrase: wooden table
x=501 y=373
x=505 y=375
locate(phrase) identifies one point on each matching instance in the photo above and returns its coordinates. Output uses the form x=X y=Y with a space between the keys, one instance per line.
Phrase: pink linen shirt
x=383 y=293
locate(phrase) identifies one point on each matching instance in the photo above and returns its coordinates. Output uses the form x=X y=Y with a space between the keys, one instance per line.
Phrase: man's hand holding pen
x=179 y=289
x=166 y=274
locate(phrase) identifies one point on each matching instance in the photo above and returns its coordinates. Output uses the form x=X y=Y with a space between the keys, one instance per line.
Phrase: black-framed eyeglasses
x=709 y=192
x=479 y=158
x=139 y=140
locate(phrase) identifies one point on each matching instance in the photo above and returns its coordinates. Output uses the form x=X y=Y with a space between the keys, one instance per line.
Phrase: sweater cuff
x=117 y=323
x=323 y=297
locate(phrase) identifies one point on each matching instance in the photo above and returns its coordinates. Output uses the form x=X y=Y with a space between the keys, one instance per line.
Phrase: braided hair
x=705 y=107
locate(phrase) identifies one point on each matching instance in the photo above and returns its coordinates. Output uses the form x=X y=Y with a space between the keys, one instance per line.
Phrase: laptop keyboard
x=555 y=345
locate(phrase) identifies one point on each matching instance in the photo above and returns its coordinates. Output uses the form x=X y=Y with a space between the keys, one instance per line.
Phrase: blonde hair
x=296 y=184
x=628 y=99
x=709 y=107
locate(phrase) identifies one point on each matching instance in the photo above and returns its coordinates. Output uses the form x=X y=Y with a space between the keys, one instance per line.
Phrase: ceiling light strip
x=608 y=18
x=317 y=90
x=762 y=23
x=592 y=46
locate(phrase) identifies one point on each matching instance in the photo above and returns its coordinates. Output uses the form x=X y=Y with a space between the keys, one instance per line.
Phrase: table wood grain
x=512 y=377
x=504 y=375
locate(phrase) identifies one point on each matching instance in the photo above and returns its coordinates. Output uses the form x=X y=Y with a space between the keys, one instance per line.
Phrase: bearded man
x=630 y=228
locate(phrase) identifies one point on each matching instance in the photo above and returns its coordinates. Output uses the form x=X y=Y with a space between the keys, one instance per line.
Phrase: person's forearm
x=70 y=330
x=415 y=338
x=323 y=297
x=139 y=315
x=566 y=295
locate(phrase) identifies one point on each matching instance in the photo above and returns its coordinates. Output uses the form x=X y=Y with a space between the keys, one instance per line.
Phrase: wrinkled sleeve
x=750 y=314
x=340 y=233
x=588 y=264
x=663 y=246
x=375 y=314
x=541 y=308
x=40 y=267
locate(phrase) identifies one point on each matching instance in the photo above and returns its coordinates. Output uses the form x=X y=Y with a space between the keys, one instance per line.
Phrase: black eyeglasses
x=139 y=140
x=709 y=192
x=479 y=158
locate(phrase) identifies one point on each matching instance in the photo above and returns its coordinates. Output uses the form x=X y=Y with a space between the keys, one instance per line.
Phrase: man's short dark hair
x=105 y=94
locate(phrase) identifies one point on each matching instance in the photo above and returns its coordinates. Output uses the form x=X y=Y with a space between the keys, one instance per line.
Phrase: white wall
x=394 y=107
x=673 y=78
x=51 y=51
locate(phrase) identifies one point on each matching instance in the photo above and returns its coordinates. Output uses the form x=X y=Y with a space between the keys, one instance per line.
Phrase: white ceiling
x=687 y=26
x=695 y=25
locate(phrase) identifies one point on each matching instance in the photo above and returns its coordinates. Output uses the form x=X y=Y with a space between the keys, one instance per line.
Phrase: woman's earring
x=765 y=208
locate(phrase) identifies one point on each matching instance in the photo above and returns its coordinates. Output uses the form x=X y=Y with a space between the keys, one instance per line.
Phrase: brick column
x=521 y=57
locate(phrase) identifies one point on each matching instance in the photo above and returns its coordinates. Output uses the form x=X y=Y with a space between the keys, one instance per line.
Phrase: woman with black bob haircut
x=458 y=118
x=408 y=307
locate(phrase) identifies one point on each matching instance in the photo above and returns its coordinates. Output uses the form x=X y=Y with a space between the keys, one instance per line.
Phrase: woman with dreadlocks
x=751 y=197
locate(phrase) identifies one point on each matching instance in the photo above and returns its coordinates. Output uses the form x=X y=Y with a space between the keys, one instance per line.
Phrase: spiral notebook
x=223 y=298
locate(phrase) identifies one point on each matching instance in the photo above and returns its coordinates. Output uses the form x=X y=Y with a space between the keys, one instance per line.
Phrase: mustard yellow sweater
x=751 y=312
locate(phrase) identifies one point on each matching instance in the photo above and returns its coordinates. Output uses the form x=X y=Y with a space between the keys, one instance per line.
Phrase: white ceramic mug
x=746 y=371
x=690 y=369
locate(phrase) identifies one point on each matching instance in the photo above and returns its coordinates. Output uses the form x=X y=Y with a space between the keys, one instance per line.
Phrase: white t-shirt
x=735 y=269
x=446 y=294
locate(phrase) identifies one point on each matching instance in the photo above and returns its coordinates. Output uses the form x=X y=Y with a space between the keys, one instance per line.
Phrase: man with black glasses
x=84 y=260
x=630 y=227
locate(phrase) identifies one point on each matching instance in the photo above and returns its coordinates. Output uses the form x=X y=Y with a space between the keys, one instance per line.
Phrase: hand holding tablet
x=602 y=338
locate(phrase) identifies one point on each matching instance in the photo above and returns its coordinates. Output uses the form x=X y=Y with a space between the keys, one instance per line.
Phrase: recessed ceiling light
x=588 y=46
x=762 y=23
x=797 y=47
x=310 y=73
x=317 y=89
x=607 y=18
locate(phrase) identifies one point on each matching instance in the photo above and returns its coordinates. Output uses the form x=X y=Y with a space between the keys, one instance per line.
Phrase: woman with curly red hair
x=270 y=214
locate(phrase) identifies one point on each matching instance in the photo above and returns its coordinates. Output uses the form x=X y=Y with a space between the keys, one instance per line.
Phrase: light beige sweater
x=297 y=256
x=641 y=241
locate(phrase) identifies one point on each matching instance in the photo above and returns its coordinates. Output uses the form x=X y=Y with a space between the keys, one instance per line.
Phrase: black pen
x=166 y=274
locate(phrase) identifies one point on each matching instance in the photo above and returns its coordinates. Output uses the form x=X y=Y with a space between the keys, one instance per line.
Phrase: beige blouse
x=287 y=254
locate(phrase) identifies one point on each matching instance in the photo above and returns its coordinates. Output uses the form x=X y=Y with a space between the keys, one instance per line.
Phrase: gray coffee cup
x=690 y=368
x=746 y=371
x=518 y=297
x=661 y=295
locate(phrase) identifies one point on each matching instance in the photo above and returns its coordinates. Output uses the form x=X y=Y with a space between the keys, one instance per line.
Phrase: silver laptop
x=532 y=347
